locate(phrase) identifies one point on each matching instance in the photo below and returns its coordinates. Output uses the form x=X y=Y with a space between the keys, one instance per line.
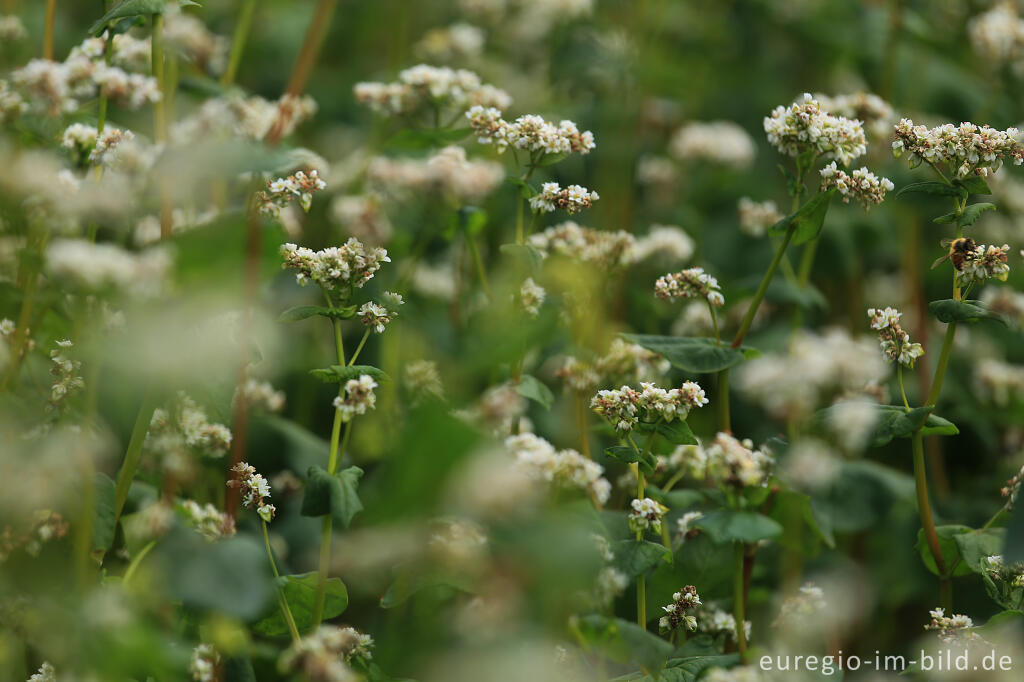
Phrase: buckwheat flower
x=358 y=397
x=965 y=149
x=676 y=613
x=187 y=34
x=343 y=268
x=323 y=655
x=132 y=90
x=498 y=409
x=564 y=468
x=377 y=316
x=584 y=244
x=107 y=143
x=604 y=548
x=715 y=621
x=423 y=381
x=207 y=520
x=690 y=283
x=720 y=142
x=801 y=609
x=425 y=88
x=66 y=376
x=260 y=395
x=96 y=267
x=984 y=262
x=894 y=341
x=203 y=666
x=530 y=133
x=11 y=29
x=997 y=35
x=861 y=185
x=12 y=104
x=757 y=217
x=684 y=525
x=46 y=84
x=735 y=463
x=646 y=514
x=79 y=139
x=803 y=126
x=1009 y=574
x=572 y=199
x=872 y=111
x=631 y=362
x=131 y=53
x=46 y=673
x=199 y=432
x=255 y=490
x=663 y=243
x=458 y=41
x=955 y=628
x=531 y=297
x=1012 y=489
x=609 y=585
x=283 y=191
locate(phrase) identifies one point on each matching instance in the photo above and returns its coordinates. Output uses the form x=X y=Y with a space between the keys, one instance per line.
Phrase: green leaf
x=623 y=453
x=552 y=159
x=949 y=548
x=104 y=521
x=894 y=421
x=239 y=669
x=677 y=432
x=336 y=374
x=412 y=139
x=688 y=668
x=728 y=525
x=693 y=354
x=949 y=310
x=636 y=557
x=974 y=184
x=937 y=426
x=300 y=592
x=335 y=495
x=528 y=255
x=808 y=220
x=1013 y=552
x=411 y=580
x=932 y=187
x=802 y=529
x=134 y=8
x=302 y=312
x=531 y=388
x=973 y=212
x=526 y=190
x=625 y=642
x=977 y=545
x=472 y=219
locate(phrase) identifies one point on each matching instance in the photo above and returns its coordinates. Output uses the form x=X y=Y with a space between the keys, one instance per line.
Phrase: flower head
x=803 y=126
x=646 y=514
x=967 y=149
x=357 y=397
x=343 y=268
x=572 y=199
x=861 y=185
x=689 y=283
x=423 y=88
x=625 y=406
x=530 y=132
x=283 y=191
x=676 y=613
x=894 y=341
x=254 y=488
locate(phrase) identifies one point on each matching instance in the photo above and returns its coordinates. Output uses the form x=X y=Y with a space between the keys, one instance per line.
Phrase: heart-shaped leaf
x=303 y=312
x=949 y=310
x=334 y=495
x=336 y=374
x=696 y=355
x=300 y=593
x=531 y=388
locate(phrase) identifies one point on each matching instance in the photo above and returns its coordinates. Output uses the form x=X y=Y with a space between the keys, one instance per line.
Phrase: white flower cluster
x=186 y=426
x=251 y=118
x=684 y=600
x=965 y=149
x=324 y=655
x=43 y=526
x=498 y=409
x=530 y=132
x=871 y=110
x=716 y=621
x=756 y=217
x=458 y=41
x=955 y=628
x=609 y=585
x=203 y=666
x=804 y=126
x=646 y=514
x=254 y=488
x=1003 y=572
x=624 y=361
x=46 y=673
x=357 y=397
x=12 y=105
x=66 y=376
x=377 y=316
x=345 y=267
x=572 y=199
x=861 y=185
x=283 y=191
x=132 y=53
x=984 y=262
x=663 y=243
x=801 y=609
x=684 y=524
x=207 y=520
x=689 y=283
x=105 y=266
x=997 y=35
x=815 y=369
x=894 y=341
x=720 y=142
x=568 y=239
x=425 y=87
x=363 y=217
x=261 y=395
x=531 y=297
x=624 y=407
x=448 y=172
x=527 y=21
x=86 y=143
x=11 y=28
x=726 y=462
x=423 y=380
x=188 y=35
x=565 y=468
x=1012 y=489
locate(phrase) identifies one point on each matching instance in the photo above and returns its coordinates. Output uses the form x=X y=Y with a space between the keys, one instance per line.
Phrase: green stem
x=134 y=452
x=739 y=602
x=362 y=342
x=519 y=218
x=157 y=66
x=676 y=477
x=714 y=322
x=899 y=379
x=940 y=368
x=748 y=319
x=927 y=522
x=51 y=17
x=238 y=42
x=479 y=264
x=287 y=612
x=133 y=567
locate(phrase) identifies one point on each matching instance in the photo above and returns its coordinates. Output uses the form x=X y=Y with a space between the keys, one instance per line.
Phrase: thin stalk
x=157 y=67
x=20 y=341
x=51 y=18
x=134 y=452
x=724 y=421
x=479 y=265
x=133 y=567
x=739 y=602
x=714 y=322
x=676 y=477
x=519 y=218
x=940 y=368
x=362 y=342
x=287 y=612
x=748 y=319
x=927 y=523
x=641 y=580
x=83 y=531
x=899 y=379
x=238 y=42
x=581 y=422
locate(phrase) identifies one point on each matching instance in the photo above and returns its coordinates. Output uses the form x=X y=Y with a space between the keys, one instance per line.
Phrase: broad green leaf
x=977 y=545
x=411 y=580
x=335 y=495
x=894 y=421
x=412 y=138
x=688 y=668
x=974 y=184
x=623 y=453
x=104 y=521
x=949 y=548
x=932 y=187
x=625 y=642
x=676 y=432
x=781 y=290
x=949 y=310
x=937 y=426
x=134 y=8
x=635 y=557
x=531 y=388
x=300 y=592
x=552 y=159
x=336 y=374
x=303 y=312
x=973 y=212
x=528 y=255
x=802 y=529
x=239 y=669
x=1004 y=619
x=807 y=222
x=727 y=525
x=693 y=354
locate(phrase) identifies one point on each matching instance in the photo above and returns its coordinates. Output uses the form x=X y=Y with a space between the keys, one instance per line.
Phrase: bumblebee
x=960 y=250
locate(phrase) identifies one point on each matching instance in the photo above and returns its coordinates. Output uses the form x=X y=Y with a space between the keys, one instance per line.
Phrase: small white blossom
x=357 y=397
